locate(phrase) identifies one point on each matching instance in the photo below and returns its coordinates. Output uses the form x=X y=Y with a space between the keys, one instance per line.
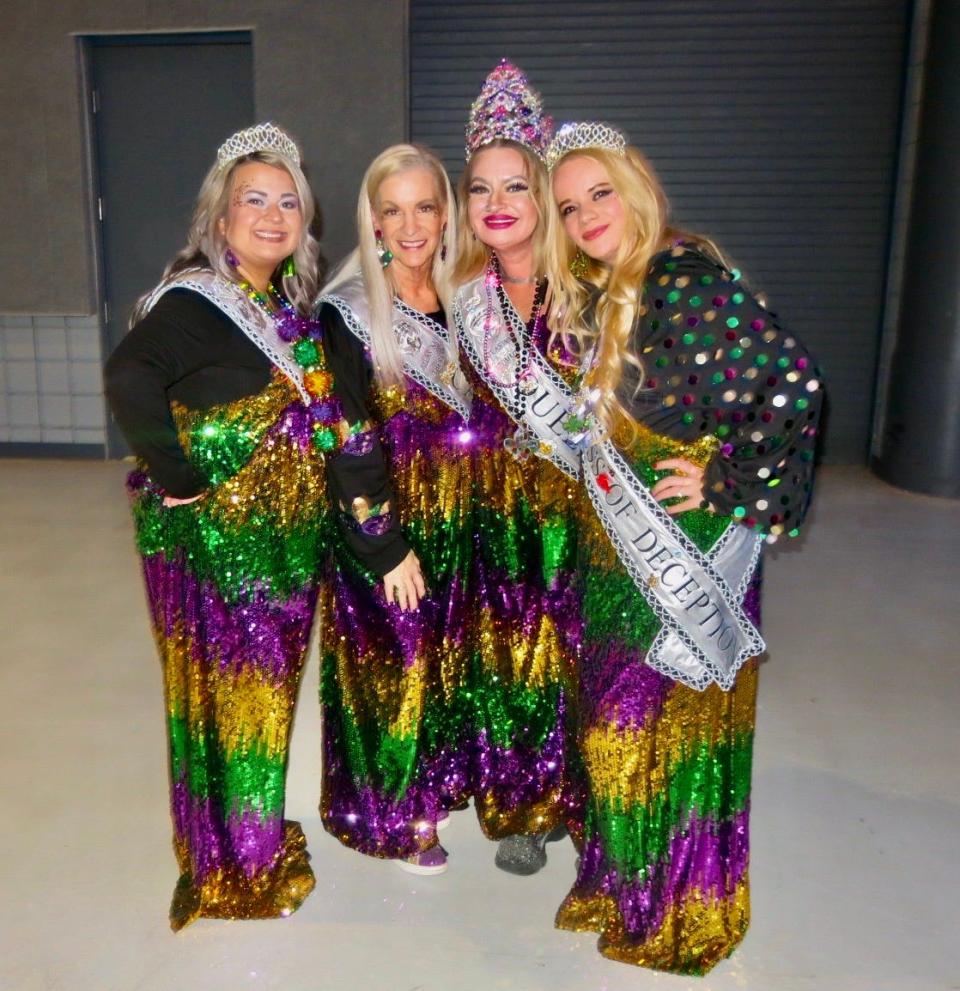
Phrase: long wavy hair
x=206 y=247
x=472 y=254
x=378 y=281
x=615 y=293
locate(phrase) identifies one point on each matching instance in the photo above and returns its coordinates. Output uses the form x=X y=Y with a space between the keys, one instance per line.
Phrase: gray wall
x=333 y=72
x=774 y=125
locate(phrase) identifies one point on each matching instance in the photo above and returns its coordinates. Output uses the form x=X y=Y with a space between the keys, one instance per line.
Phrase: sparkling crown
x=509 y=108
x=584 y=134
x=260 y=137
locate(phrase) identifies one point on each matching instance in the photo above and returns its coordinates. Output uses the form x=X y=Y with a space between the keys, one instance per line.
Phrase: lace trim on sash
x=232 y=301
x=410 y=327
x=751 y=643
x=469 y=313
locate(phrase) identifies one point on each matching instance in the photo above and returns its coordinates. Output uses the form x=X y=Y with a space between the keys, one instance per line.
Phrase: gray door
x=163 y=105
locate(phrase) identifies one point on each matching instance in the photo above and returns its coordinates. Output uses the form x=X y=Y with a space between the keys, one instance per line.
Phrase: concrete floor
x=856 y=832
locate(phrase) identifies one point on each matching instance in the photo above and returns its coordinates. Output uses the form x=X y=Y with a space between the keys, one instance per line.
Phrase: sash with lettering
x=428 y=357
x=233 y=302
x=706 y=636
x=530 y=391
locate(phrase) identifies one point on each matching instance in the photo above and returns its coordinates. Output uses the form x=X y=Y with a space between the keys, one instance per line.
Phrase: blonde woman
x=393 y=618
x=526 y=613
x=697 y=417
x=223 y=391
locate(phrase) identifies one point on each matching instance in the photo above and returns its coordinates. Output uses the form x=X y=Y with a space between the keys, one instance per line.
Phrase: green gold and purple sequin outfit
x=232 y=585
x=525 y=628
x=391 y=681
x=467 y=695
x=663 y=876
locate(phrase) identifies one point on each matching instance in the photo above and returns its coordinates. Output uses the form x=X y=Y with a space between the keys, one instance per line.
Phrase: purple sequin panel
x=359 y=444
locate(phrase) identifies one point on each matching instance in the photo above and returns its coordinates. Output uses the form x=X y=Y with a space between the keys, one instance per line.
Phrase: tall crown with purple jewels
x=509 y=108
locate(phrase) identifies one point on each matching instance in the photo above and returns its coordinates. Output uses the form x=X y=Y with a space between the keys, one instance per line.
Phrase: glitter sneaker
x=522 y=854
x=432 y=861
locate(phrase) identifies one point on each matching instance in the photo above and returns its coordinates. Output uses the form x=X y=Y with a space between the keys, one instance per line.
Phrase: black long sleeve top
x=716 y=361
x=362 y=473
x=187 y=350
x=184 y=350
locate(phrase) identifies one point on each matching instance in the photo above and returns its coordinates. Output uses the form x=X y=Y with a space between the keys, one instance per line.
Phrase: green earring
x=289 y=267
x=383 y=252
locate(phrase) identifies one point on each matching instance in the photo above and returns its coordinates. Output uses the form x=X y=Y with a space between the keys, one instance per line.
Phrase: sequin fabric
x=663 y=874
x=391 y=681
x=663 y=867
x=526 y=627
x=716 y=362
x=469 y=695
x=232 y=587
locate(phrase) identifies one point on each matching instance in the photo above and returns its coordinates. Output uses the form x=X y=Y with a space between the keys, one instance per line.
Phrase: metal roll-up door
x=774 y=125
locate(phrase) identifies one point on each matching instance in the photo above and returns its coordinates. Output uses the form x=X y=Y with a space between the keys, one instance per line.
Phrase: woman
x=391 y=679
x=695 y=401
x=522 y=666
x=221 y=389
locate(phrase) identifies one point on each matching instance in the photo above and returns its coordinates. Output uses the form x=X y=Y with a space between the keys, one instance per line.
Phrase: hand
x=174 y=501
x=404 y=585
x=686 y=484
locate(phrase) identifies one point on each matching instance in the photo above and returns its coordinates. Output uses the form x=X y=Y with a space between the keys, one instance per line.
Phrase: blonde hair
x=472 y=254
x=364 y=260
x=206 y=246
x=620 y=303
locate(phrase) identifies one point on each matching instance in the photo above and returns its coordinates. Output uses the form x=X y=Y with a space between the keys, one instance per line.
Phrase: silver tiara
x=584 y=134
x=260 y=137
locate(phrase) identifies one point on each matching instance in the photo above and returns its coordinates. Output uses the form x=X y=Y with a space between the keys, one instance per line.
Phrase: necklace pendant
x=518 y=444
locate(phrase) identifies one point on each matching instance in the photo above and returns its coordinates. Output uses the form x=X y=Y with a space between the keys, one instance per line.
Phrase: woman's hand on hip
x=169 y=501
x=685 y=483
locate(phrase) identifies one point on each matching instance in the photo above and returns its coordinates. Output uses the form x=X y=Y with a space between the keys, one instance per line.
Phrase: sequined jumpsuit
x=392 y=682
x=663 y=876
x=525 y=624
x=232 y=585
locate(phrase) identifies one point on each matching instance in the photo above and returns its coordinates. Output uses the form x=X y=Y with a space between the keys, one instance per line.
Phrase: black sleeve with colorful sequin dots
x=715 y=360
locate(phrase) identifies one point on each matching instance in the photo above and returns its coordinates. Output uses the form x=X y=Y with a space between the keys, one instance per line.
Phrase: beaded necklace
x=521 y=334
x=521 y=337
x=305 y=338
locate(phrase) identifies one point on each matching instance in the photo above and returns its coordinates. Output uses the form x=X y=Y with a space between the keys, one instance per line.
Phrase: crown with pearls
x=260 y=137
x=508 y=108
x=584 y=134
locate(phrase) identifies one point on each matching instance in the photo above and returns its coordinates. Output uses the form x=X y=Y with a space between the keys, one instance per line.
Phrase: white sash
x=234 y=303
x=543 y=400
x=428 y=357
x=706 y=636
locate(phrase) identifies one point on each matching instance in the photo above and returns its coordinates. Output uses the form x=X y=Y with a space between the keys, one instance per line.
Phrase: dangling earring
x=383 y=252
x=231 y=259
x=578 y=267
x=443 y=244
x=289 y=268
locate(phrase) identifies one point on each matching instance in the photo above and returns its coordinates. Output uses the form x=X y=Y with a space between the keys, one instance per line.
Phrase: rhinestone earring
x=578 y=267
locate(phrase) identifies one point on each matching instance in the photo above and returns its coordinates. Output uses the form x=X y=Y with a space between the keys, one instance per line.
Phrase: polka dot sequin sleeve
x=716 y=361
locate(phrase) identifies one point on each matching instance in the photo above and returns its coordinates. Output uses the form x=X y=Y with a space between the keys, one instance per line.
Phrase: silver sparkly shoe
x=522 y=854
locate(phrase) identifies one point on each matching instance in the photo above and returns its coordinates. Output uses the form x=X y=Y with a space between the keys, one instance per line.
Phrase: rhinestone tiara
x=508 y=107
x=260 y=137
x=584 y=134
